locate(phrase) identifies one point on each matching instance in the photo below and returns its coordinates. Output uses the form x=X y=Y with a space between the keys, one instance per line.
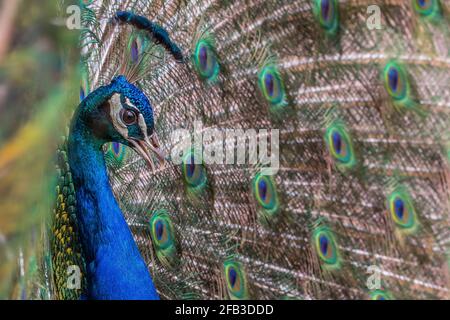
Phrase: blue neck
x=115 y=268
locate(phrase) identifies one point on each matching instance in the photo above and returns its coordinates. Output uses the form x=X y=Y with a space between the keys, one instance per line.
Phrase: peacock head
x=127 y=118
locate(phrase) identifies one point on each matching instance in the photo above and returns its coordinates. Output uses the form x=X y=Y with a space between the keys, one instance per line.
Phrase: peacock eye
x=339 y=144
x=194 y=173
x=427 y=8
x=265 y=192
x=402 y=210
x=206 y=62
x=272 y=87
x=395 y=82
x=128 y=117
x=235 y=280
x=163 y=237
x=380 y=295
x=327 y=13
x=326 y=247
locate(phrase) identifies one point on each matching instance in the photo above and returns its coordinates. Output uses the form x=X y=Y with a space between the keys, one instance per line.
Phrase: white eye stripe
x=114 y=112
x=142 y=125
x=115 y=108
x=130 y=104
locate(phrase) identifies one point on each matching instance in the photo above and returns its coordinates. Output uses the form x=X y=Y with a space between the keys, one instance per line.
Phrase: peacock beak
x=148 y=147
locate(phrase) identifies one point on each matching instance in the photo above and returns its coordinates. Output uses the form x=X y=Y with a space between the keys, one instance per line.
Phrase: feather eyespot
x=117 y=150
x=162 y=233
x=163 y=237
x=235 y=280
x=265 y=193
x=398 y=85
x=194 y=173
x=380 y=295
x=340 y=145
x=271 y=86
x=137 y=44
x=396 y=81
x=327 y=13
x=427 y=8
x=326 y=246
x=205 y=60
x=402 y=210
x=134 y=51
x=115 y=146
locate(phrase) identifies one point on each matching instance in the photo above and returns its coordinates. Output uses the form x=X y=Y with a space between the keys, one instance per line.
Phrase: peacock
x=358 y=206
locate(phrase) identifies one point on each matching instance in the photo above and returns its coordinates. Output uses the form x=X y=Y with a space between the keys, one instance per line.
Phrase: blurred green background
x=38 y=91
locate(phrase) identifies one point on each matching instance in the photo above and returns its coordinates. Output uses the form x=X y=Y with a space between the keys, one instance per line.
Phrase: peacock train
x=252 y=149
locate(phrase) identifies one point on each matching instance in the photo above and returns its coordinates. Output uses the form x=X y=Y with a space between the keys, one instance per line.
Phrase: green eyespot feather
x=327 y=14
x=117 y=151
x=205 y=59
x=401 y=210
x=272 y=86
x=265 y=193
x=340 y=146
x=397 y=84
x=194 y=173
x=236 y=281
x=137 y=45
x=326 y=248
x=427 y=8
x=163 y=237
x=380 y=295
